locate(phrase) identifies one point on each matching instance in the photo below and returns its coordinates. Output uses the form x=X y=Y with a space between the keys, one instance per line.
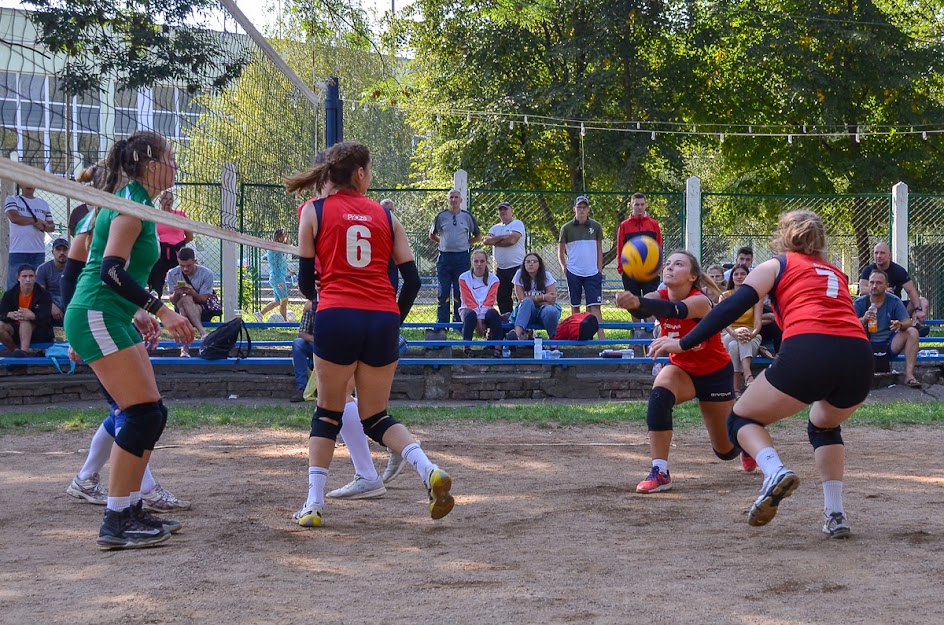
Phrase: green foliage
x=141 y=43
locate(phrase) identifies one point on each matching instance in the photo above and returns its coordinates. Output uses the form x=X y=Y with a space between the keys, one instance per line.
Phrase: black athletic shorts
x=347 y=335
x=717 y=386
x=814 y=367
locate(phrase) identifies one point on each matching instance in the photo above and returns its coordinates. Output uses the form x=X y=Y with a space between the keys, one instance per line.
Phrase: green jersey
x=90 y=292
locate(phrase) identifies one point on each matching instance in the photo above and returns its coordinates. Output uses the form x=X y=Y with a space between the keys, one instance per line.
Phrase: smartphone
x=181 y=282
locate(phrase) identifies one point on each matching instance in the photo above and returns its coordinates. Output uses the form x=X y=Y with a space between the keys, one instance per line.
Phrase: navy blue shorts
x=347 y=335
x=592 y=286
x=814 y=367
x=717 y=386
x=638 y=288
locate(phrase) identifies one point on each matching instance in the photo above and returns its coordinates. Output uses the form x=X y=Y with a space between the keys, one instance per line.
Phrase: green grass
x=298 y=417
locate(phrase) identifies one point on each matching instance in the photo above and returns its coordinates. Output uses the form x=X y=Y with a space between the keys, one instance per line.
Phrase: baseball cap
x=582 y=198
x=504 y=205
x=60 y=242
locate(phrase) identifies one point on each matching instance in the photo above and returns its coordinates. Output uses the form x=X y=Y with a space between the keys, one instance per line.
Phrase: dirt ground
x=547 y=529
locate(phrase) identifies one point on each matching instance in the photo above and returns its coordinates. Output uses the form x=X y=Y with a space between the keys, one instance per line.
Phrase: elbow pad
x=306 y=277
x=662 y=309
x=116 y=277
x=721 y=316
x=410 y=288
x=69 y=280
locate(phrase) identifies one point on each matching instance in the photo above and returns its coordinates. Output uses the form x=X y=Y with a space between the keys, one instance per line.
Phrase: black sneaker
x=121 y=530
x=150 y=520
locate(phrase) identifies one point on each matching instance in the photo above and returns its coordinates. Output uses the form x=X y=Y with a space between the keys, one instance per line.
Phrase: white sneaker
x=776 y=488
x=359 y=488
x=160 y=500
x=310 y=516
x=836 y=525
x=394 y=466
x=91 y=490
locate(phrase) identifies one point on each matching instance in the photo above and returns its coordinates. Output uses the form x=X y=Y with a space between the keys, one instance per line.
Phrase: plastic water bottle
x=506 y=351
x=538 y=348
x=873 y=323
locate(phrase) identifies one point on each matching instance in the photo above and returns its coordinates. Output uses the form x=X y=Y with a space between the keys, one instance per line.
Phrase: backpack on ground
x=577 y=327
x=219 y=343
x=60 y=352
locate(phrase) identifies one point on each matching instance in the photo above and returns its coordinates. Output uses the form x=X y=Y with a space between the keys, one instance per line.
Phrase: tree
x=139 y=42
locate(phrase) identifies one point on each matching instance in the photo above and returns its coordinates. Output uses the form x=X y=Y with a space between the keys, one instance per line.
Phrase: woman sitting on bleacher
x=537 y=299
x=742 y=338
x=479 y=290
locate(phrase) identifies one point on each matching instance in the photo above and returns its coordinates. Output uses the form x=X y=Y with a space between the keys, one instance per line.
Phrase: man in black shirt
x=898 y=280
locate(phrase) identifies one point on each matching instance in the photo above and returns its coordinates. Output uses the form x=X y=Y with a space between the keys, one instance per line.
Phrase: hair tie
x=149 y=152
x=134 y=155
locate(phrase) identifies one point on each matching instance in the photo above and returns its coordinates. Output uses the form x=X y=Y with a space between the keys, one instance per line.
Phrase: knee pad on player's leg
x=376 y=426
x=731 y=455
x=820 y=437
x=735 y=423
x=111 y=422
x=659 y=411
x=142 y=428
x=324 y=429
x=163 y=408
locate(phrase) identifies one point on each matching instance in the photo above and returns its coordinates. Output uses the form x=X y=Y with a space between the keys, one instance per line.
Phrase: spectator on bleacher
x=716 y=274
x=898 y=280
x=192 y=287
x=303 y=349
x=639 y=223
x=172 y=241
x=745 y=256
x=580 y=254
x=25 y=313
x=507 y=237
x=454 y=231
x=479 y=290
x=278 y=278
x=30 y=220
x=894 y=328
x=49 y=273
x=742 y=337
x=536 y=291
x=388 y=204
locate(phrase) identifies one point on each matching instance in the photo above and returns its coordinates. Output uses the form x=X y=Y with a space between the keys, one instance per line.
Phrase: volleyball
x=641 y=259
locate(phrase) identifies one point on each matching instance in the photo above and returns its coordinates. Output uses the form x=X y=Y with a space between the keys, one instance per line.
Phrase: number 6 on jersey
x=358 y=246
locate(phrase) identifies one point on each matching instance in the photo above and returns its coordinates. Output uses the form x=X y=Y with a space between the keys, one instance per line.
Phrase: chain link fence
x=926 y=249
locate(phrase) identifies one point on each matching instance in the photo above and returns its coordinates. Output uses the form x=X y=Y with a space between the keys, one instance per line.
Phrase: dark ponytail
x=338 y=166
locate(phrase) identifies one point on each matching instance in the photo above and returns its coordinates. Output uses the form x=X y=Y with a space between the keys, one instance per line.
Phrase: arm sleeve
x=68 y=280
x=115 y=277
x=661 y=309
x=410 y=288
x=306 y=277
x=721 y=316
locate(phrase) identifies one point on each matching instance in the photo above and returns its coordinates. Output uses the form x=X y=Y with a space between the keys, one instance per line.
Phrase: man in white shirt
x=507 y=237
x=30 y=220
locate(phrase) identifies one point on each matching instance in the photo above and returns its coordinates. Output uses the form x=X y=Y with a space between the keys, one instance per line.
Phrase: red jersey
x=702 y=359
x=636 y=226
x=354 y=244
x=811 y=296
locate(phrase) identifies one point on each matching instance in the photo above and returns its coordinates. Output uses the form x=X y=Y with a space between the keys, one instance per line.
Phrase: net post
x=693 y=216
x=460 y=182
x=229 y=267
x=900 y=224
x=7 y=188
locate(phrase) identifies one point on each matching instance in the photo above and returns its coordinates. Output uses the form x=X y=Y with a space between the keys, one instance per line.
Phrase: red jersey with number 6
x=354 y=244
x=702 y=359
x=811 y=296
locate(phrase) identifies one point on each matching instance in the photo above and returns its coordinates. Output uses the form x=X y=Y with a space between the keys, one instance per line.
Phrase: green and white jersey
x=91 y=293
x=85 y=224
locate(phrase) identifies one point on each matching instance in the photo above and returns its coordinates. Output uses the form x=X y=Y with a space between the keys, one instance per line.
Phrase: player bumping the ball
x=705 y=373
x=825 y=361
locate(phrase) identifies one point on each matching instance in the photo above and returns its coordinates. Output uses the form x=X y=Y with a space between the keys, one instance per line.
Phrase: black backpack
x=218 y=344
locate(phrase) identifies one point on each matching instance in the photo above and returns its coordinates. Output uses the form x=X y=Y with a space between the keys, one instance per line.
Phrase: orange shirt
x=26 y=301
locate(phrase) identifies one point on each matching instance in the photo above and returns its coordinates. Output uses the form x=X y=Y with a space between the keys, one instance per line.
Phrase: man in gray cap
x=580 y=253
x=49 y=273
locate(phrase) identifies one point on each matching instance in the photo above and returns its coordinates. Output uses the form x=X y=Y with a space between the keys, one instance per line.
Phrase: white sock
x=352 y=433
x=317 y=478
x=832 y=496
x=99 y=450
x=768 y=461
x=418 y=460
x=135 y=497
x=148 y=483
x=663 y=465
x=119 y=503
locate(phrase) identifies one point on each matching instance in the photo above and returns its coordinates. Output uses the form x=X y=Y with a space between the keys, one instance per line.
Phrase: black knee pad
x=143 y=426
x=735 y=423
x=820 y=437
x=163 y=419
x=322 y=428
x=376 y=426
x=659 y=412
x=731 y=455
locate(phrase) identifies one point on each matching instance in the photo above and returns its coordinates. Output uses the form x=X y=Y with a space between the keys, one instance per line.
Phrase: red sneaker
x=656 y=482
x=749 y=464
